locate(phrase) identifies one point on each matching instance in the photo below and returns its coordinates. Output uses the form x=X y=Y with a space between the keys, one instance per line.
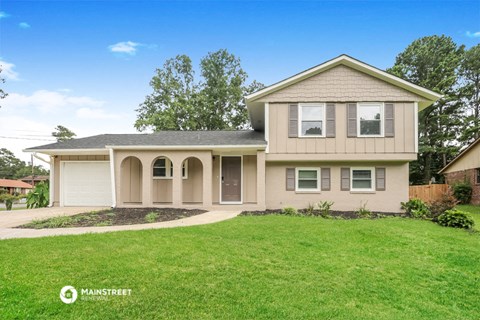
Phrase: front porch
x=211 y=179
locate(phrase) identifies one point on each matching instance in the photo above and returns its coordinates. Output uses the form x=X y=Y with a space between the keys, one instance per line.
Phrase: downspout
x=112 y=178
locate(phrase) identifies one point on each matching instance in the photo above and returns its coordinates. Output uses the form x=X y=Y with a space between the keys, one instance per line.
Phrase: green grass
x=270 y=267
x=474 y=211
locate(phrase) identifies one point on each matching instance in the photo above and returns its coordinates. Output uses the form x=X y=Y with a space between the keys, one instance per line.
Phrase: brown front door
x=231 y=179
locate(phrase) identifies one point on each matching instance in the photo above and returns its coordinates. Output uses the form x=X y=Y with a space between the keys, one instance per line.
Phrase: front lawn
x=474 y=212
x=270 y=267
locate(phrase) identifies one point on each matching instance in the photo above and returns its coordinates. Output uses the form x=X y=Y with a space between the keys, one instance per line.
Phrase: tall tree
x=63 y=133
x=215 y=102
x=433 y=62
x=3 y=94
x=9 y=164
x=470 y=90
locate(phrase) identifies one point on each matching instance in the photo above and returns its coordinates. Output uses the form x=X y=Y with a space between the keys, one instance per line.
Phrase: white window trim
x=319 y=104
x=168 y=169
x=382 y=120
x=372 y=170
x=297 y=178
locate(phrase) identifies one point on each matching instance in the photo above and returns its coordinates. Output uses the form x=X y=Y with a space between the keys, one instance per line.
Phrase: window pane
x=478 y=176
x=307 y=184
x=362 y=184
x=362 y=174
x=159 y=163
x=312 y=113
x=369 y=112
x=311 y=128
x=159 y=172
x=307 y=174
x=368 y=127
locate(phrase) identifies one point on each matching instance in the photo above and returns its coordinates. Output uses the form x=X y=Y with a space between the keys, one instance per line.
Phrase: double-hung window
x=312 y=119
x=362 y=179
x=370 y=119
x=307 y=179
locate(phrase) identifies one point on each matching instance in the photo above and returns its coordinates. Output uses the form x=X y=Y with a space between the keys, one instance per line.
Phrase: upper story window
x=370 y=119
x=362 y=179
x=312 y=120
x=163 y=168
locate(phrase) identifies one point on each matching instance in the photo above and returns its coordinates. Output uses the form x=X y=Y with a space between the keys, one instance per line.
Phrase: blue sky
x=87 y=64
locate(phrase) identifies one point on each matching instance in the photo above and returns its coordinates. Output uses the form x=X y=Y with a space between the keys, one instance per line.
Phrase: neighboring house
x=466 y=168
x=36 y=179
x=342 y=131
x=15 y=186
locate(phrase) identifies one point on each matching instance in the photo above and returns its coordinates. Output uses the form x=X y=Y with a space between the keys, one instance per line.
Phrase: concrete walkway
x=19 y=217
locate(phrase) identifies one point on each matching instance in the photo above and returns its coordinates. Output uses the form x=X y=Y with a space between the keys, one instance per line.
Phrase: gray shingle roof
x=162 y=138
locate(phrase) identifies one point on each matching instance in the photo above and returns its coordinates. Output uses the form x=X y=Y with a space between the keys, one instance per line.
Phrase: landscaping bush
x=325 y=207
x=456 y=219
x=447 y=202
x=9 y=199
x=151 y=217
x=416 y=208
x=463 y=192
x=38 y=197
x=363 y=212
x=290 y=211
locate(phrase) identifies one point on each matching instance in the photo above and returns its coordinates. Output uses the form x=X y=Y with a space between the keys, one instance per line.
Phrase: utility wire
x=18 y=138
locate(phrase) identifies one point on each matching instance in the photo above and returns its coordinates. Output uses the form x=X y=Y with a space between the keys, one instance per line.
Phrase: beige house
x=466 y=168
x=342 y=131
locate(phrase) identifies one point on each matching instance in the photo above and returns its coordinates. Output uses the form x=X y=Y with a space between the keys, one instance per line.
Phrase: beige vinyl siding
x=131 y=180
x=341 y=83
x=192 y=186
x=249 y=179
x=403 y=142
x=386 y=201
x=469 y=160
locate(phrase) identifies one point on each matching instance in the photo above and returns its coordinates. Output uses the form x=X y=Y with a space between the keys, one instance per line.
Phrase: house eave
x=464 y=151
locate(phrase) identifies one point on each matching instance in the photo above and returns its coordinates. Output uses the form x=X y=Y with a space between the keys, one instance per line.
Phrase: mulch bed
x=333 y=214
x=119 y=216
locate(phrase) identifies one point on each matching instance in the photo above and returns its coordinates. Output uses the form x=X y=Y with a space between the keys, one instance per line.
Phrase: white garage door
x=86 y=184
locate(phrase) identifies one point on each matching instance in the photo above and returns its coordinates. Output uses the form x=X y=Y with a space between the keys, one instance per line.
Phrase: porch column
x=177 y=182
x=261 y=178
x=207 y=180
x=147 y=180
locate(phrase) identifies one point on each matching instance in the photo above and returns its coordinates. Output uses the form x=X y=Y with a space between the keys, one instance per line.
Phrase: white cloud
x=48 y=101
x=7 y=70
x=95 y=113
x=473 y=34
x=3 y=14
x=24 y=25
x=126 y=47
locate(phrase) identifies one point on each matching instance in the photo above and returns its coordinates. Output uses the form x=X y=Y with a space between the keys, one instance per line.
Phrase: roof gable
x=462 y=161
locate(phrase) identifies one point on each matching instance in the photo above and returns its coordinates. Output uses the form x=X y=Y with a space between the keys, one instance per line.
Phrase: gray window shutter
x=293 y=121
x=351 y=120
x=389 y=120
x=330 y=121
x=325 y=173
x=345 y=176
x=290 y=179
x=380 y=179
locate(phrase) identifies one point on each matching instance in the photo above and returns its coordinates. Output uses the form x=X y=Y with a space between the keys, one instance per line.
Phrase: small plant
x=310 y=210
x=325 y=207
x=416 y=208
x=456 y=219
x=151 y=217
x=54 y=222
x=103 y=224
x=447 y=202
x=38 y=197
x=363 y=212
x=9 y=199
x=463 y=192
x=289 y=211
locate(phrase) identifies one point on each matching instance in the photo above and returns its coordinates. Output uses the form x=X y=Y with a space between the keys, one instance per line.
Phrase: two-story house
x=342 y=131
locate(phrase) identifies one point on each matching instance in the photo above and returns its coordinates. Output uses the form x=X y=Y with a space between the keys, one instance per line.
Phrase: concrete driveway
x=9 y=219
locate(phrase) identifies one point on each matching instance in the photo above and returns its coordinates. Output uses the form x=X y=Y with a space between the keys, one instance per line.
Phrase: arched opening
x=192 y=181
x=162 y=174
x=131 y=181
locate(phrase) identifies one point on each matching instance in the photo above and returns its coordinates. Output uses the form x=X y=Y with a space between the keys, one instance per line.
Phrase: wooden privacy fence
x=429 y=192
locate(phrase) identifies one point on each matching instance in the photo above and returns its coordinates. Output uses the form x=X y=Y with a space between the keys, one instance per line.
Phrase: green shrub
x=38 y=197
x=54 y=222
x=9 y=199
x=416 y=208
x=325 y=207
x=463 y=192
x=151 y=217
x=310 y=210
x=363 y=212
x=290 y=211
x=456 y=219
